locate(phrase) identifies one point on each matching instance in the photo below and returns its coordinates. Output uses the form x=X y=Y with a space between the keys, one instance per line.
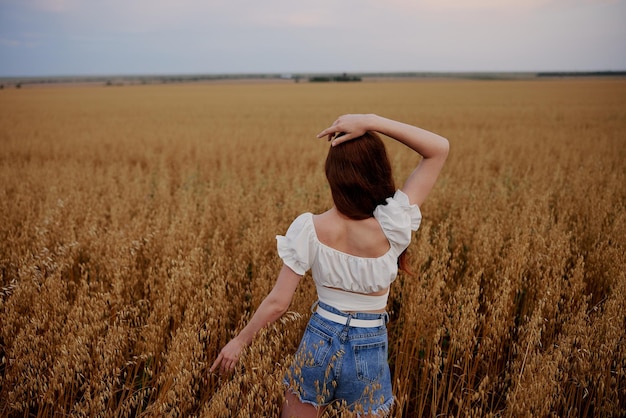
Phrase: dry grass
x=138 y=230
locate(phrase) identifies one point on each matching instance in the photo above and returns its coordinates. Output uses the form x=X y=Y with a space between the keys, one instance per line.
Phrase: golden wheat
x=138 y=230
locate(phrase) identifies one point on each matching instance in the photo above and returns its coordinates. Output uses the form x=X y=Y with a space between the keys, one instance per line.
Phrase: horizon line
x=293 y=75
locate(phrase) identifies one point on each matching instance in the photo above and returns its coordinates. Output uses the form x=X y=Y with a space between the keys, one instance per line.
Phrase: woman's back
x=357 y=256
x=362 y=238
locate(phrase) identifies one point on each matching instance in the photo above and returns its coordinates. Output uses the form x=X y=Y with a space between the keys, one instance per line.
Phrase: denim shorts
x=341 y=364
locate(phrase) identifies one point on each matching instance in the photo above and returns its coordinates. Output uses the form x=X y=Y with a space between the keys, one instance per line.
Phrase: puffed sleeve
x=397 y=219
x=294 y=247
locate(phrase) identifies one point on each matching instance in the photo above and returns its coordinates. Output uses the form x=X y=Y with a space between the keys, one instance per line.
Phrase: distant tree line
x=582 y=74
x=341 y=78
x=314 y=78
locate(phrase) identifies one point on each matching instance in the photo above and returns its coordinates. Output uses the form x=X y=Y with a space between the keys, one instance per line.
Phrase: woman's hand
x=347 y=127
x=228 y=357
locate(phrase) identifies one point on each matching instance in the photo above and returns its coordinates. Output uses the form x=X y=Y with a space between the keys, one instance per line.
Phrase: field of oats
x=138 y=232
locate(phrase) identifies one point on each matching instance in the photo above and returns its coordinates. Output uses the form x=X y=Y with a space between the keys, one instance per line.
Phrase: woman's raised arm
x=432 y=147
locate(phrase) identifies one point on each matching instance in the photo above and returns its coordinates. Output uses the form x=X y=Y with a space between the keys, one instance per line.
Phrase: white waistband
x=351 y=302
x=348 y=320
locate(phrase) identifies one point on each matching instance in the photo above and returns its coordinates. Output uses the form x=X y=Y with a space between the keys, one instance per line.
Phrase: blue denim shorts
x=342 y=364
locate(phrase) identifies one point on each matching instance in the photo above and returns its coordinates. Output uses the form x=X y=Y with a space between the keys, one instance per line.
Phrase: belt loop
x=314 y=306
x=386 y=316
x=348 y=321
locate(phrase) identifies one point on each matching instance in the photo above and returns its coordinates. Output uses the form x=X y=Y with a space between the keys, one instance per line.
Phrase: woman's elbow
x=279 y=306
x=444 y=147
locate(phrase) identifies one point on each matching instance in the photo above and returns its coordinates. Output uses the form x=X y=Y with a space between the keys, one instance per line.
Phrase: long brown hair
x=360 y=178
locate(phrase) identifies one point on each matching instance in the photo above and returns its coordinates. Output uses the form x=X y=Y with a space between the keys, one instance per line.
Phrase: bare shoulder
x=328 y=225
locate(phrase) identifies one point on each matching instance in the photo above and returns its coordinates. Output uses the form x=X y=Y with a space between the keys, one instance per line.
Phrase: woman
x=353 y=251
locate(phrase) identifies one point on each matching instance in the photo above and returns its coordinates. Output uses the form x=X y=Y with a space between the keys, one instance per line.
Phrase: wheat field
x=138 y=232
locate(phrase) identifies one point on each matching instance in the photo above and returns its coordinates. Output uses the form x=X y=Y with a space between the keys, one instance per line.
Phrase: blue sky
x=108 y=37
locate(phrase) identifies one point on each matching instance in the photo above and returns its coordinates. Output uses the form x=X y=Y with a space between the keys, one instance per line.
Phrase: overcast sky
x=107 y=37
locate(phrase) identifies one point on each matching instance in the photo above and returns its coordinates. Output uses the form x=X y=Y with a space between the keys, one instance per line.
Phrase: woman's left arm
x=273 y=307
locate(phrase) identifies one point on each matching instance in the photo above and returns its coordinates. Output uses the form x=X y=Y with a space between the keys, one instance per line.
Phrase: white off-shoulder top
x=301 y=250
